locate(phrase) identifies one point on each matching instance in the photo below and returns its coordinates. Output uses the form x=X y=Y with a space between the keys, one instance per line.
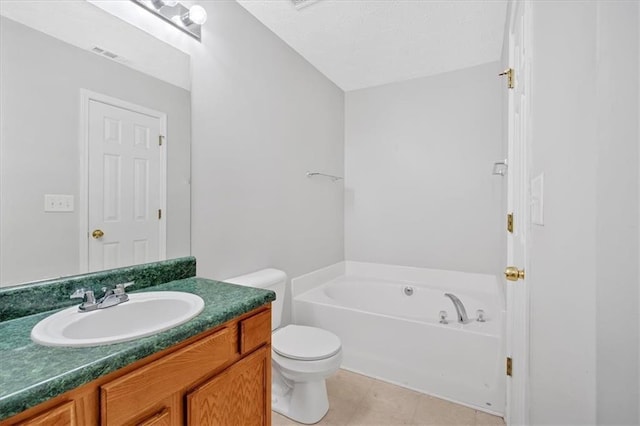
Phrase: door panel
x=140 y=189
x=517 y=201
x=123 y=186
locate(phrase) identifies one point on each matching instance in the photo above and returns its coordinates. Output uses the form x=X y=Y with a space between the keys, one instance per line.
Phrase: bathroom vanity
x=214 y=369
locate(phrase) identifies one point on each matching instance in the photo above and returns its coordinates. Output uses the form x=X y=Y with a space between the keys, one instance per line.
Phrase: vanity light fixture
x=301 y=4
x=159 y=3
x=189 y=20
x=196 y=15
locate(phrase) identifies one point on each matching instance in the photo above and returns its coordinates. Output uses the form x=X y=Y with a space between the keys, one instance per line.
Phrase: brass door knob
x=97 y=233
x=513 y=274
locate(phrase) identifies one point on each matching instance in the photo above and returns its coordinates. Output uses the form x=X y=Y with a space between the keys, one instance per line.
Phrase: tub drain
x=408 y=290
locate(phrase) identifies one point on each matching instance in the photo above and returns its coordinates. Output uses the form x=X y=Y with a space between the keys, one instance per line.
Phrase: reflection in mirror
x=77 y=127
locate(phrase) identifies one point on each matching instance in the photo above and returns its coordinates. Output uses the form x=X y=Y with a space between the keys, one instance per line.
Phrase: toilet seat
x=305 y=343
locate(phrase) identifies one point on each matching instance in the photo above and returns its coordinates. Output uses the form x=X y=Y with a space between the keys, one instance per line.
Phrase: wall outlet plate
x=537 y=200
x=58 y=203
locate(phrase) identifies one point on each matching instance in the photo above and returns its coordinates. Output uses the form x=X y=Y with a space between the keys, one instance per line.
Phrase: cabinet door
x=237 y=396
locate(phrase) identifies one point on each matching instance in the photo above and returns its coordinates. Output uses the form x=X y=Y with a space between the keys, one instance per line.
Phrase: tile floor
x=359 y=400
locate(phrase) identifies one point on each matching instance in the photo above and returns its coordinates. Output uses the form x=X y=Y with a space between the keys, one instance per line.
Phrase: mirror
x=41 y=152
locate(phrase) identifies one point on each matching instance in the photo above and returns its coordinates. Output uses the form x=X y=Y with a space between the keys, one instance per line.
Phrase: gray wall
x=563 y=252
x=617 y=329
x=262 y=117
x=419 y=156
x=40 y=80
x=584 y=261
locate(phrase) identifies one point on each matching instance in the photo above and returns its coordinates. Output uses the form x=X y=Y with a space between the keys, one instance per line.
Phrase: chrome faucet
x=462 y=313
x=111 y=297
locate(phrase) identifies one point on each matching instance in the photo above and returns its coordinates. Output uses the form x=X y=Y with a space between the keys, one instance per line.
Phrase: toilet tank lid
x=261 y=279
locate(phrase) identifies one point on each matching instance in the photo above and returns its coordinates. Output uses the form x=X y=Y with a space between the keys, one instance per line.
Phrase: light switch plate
x=537 y=200
x=58 y=203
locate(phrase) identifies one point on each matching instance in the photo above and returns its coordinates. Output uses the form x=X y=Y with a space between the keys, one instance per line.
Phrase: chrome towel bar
x=332 y=177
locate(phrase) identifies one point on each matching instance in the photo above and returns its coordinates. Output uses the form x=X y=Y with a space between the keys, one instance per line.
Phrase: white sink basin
x=143 y=315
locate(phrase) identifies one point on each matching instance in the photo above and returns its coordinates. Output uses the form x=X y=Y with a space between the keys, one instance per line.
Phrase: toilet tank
x=270 y=279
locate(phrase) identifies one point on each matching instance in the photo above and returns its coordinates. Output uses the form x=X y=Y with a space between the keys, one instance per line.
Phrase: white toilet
x=302 y=357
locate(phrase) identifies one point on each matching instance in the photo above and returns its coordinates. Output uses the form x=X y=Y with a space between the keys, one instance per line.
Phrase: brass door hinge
x=509 y=73
x=510 y=222
x=159 y=213
x=160 y=140
x=509 y=366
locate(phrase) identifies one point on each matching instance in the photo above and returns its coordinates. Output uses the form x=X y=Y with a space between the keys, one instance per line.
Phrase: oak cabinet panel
x=163 y=418
x=234 y=397
x=255 y=331
x=62 y=415
x=125 y=398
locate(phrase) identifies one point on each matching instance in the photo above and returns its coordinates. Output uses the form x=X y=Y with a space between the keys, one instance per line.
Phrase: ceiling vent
x=106 y=53
x=301 y=4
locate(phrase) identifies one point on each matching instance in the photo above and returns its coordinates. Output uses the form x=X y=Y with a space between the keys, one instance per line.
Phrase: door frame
x=86 y=96
x=520 y=347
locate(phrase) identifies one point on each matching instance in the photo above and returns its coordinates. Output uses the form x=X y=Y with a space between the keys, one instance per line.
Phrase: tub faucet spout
x=462 y=313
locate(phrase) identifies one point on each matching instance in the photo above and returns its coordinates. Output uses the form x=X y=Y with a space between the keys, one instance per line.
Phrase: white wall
x=584 y=260
x=419 y=157
x=563 y=252
x=617 y=329
x=262 y=117
x=41 y=78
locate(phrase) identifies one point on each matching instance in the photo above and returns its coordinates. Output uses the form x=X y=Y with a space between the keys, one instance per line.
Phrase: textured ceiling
x=363 y=43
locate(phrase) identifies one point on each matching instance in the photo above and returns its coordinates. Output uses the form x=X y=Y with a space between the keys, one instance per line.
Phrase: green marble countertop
x=31 y=373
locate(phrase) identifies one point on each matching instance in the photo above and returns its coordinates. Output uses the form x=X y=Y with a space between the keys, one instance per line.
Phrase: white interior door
x=124 y=187
x=518 y=204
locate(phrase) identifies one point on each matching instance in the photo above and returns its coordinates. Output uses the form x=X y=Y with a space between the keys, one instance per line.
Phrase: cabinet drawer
x=255 y=331
x=62 y=415
x=125 y=398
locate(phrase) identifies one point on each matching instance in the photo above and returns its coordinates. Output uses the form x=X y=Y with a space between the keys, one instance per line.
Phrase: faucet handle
x=78 y=294
x=120 y=287
x=82 y=293
x=480 y=316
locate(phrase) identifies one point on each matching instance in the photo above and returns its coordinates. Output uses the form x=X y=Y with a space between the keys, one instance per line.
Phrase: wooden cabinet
x=62 y=415
x=253 y=330
x=235 y=396
x=163 y=418
x=150 y=389
x=220 y=377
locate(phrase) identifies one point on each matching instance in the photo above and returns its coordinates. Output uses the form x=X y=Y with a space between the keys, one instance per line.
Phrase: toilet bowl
x=301 y=357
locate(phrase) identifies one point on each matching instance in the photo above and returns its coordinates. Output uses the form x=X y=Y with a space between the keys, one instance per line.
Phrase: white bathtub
x=389 y=335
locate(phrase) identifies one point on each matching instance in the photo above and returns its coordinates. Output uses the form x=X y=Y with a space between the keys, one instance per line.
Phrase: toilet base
x=304 y=402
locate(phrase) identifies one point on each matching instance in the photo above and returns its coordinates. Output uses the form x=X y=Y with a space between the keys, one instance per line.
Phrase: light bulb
x=196 y=14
